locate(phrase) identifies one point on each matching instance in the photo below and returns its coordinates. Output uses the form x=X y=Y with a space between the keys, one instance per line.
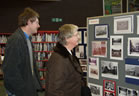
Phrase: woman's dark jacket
x=63 y=77
x=18 y=77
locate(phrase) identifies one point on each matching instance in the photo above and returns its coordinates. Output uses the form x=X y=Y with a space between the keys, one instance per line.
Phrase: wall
x=71 y=11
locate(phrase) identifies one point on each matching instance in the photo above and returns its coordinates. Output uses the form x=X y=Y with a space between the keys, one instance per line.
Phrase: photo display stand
x=113 y=54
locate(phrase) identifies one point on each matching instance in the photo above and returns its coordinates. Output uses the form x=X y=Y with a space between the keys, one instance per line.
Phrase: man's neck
x=25 y=29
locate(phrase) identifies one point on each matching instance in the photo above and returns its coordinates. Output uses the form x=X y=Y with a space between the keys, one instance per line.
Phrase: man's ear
x=28 y=22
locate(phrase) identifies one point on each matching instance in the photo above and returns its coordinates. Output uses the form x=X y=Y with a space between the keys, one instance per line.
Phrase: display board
x=113 y=54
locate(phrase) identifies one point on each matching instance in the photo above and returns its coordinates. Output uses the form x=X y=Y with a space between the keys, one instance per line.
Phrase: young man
x=64 y=72
x=20 y=72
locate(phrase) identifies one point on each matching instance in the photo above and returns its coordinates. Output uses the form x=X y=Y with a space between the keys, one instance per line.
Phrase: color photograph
x=109 y=85
x=99 y=48
x=93 y=68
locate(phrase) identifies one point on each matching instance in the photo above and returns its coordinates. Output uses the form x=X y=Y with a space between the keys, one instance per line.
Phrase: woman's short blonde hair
x=66 y=31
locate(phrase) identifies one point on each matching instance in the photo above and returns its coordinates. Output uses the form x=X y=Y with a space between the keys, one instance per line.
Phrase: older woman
x=64 y=72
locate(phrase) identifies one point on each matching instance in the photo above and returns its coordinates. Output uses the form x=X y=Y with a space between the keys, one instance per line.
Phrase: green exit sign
x=56 y=20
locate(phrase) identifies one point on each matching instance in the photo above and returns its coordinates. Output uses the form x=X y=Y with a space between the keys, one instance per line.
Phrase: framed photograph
x=83 y=62
x=107 y=93
x=101 y=31
x=123 y=24
x=132 y=5
x=133 y=46
x=122 y=91
x=80 y=51
x=96 y=90
x=99 y=48
x=93 y=67
x=132 y=70
x=116 y=47
x=84 y=68
x=81 y=38
x=138 y=24
x=112 y=6
x=109 y=69
x=109 y=88
x=109 y=85
x=85 y=37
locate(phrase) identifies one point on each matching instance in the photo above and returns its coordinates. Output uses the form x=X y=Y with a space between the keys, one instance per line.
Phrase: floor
x=3 y=92
x=2 y=89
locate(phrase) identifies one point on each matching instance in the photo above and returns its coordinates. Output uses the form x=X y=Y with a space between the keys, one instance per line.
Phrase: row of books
x=51 y=37
x=3 y=39
x=41 y=65
x=2 y=48
x=42 y=55
x=44 y=46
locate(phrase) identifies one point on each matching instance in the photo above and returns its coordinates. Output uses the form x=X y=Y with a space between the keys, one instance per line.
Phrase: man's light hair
x=66 y=31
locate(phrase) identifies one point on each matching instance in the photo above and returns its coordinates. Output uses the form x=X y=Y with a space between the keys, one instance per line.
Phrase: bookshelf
x=3 y=40
x=43 y=42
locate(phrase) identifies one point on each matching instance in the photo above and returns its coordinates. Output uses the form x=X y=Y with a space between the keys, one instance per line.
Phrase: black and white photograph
x=106 y=93
x=79 y=51
x=109 y=69
x=122 y=91
x=133 y=46
x=123 y=24
x=132 y=70
x=138 y=24
x=93 y=67
x=81 y=38
x=132 y=92
x=83 y=62
x=84 y=68
x=85 y=37
x=101 y=31
x=116 y=47
x=96 y=90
